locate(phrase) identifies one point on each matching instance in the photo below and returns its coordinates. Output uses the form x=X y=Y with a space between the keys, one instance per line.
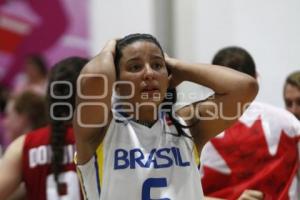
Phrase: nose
x=148 y=72
x=293 y=108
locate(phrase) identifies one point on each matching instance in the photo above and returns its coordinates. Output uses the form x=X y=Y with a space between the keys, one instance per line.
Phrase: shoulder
x=39 y=133
x=274 y=117
x=15 y=149
x=272 y=112
x=70 y=137
x=38 y=136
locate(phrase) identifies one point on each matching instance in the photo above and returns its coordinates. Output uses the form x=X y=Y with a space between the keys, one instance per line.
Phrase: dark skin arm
x=96 y=79
x=233 y=91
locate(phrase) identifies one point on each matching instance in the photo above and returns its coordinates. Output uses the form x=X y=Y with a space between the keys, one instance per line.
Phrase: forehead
x=141 y=48
x=291 y=91
x=31 y=66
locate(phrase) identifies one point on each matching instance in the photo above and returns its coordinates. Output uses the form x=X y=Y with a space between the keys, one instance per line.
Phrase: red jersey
x=259 y=152
x=36 y=164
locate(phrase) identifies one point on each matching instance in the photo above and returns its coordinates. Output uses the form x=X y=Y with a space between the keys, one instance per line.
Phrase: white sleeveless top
x=135 y=162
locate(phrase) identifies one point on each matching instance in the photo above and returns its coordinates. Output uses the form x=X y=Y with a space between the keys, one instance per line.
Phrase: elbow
x=250 y=89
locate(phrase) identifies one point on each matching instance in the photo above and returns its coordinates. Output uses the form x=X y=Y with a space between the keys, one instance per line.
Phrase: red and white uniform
x=36 y=164
x=259 y=152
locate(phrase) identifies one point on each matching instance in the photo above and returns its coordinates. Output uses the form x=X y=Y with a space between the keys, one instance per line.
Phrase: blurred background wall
x=54 y=29
x=195 y=29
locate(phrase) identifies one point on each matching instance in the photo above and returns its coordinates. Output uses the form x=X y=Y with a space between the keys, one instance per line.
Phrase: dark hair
x=33 y=106
x=129 y=39
x=39 y=63
x=168 y=102
x=66 y=70
x=293 y=79
x=236 y=58
x=4 y=95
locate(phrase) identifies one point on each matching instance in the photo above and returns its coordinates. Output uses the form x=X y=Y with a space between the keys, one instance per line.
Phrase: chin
x=156 y=100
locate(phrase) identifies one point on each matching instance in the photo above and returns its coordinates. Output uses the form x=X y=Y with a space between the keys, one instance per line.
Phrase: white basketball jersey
x=135 y=162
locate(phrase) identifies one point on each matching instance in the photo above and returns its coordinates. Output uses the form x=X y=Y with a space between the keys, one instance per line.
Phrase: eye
x=135 y=67
x=298 y=102
x=288 y=103
x=157 y=66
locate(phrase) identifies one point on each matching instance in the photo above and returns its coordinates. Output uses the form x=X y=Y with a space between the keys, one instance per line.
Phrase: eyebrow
x=157 y=56
x=138 y=59
x=132 y=59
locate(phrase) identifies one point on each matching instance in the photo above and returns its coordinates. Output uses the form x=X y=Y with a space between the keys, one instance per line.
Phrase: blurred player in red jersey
x=291 y=93
x=23 y=113
x=257 y=157
x=43 y=158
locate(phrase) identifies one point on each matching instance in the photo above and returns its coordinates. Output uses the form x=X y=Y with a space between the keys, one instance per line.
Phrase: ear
x=25 y=120
x=173 y=83
x=170 y=78
x=117 y=89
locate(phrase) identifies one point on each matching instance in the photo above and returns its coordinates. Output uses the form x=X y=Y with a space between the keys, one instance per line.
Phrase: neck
x=148 y=124
x=36 y=80
x=147 y=114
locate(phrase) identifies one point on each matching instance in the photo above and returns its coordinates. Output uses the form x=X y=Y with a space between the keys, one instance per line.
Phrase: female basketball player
x=136 y=147
x=43 y=158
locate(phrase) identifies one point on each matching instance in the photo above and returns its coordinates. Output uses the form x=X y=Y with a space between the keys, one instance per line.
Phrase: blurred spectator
x=23 y=113
x=4 y=94
x=44 y=25
x=257 y=157
x=35 y=77
x=291 y=93
x=43 y=158
x=3 y=100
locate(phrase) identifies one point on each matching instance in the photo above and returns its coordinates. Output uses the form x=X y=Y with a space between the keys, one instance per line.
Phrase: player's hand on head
x=171 y=64
x=110 y=46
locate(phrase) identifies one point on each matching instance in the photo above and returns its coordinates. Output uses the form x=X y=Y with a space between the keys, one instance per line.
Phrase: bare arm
x=19 y=194
x=246 y=195
x=96 y=79
x=251 y=195
x=212 y=198
x=11 y=168
x=233 y=90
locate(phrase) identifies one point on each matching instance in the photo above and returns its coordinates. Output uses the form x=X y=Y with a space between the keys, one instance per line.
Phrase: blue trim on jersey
x=97 y=175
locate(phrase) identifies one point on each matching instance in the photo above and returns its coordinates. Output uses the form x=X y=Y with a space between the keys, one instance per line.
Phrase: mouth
x=150 y=89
